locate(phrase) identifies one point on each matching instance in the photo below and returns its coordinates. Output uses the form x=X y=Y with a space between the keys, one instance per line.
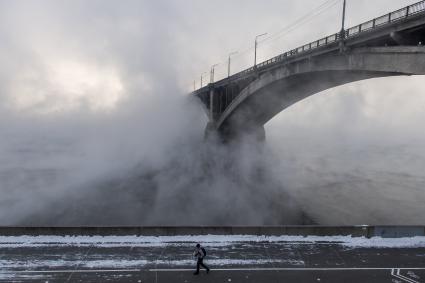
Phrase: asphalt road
x=230 y=262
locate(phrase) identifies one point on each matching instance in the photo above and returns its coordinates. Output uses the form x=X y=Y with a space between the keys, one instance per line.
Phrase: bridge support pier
x=255 y=134
x=212 y=104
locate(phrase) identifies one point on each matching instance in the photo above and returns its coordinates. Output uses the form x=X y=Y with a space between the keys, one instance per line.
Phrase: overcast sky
x=112 y=78
x=96 y=52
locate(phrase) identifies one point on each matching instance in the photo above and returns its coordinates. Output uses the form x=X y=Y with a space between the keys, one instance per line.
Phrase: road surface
x=231 y=258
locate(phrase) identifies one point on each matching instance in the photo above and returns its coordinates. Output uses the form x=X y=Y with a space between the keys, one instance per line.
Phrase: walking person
x=200 y=253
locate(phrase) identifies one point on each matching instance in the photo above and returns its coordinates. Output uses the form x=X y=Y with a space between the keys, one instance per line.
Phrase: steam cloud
x=97 y=129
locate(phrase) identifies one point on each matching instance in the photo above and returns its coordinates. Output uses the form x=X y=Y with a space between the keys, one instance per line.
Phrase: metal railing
x=378 y=22
x=350 y=32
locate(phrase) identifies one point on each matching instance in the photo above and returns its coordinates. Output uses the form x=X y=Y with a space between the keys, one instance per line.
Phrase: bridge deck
x=404 y=27
x=363 y=34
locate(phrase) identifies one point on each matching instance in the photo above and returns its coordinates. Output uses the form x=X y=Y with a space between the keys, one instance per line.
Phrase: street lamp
x=202 y=78
x=212 y=73
x=343 y=15
x=342 y=32
x=256 y=44
x=228 y=65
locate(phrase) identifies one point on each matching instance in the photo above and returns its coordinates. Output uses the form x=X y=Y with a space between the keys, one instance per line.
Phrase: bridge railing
x=373 y=24
x=389 y=18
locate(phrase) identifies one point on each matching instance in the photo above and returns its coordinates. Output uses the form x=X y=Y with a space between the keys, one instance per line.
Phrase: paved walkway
x=230 y=261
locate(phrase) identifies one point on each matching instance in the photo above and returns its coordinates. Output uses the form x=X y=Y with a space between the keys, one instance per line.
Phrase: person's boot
x=196 y=273
x=208 y=270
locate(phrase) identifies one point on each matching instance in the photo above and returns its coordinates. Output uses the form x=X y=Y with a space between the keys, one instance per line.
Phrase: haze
x=97 y=126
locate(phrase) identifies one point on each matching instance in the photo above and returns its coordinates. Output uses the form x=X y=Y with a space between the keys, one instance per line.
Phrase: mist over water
x=118 y=169
x=101 y=179
x=357 y=155
x=96 y=128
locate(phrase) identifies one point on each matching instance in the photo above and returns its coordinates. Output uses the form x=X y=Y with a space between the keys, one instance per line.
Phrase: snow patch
x=120 y=263
x=209 y=240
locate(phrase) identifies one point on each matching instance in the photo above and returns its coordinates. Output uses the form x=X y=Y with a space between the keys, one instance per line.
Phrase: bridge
x=389 y=45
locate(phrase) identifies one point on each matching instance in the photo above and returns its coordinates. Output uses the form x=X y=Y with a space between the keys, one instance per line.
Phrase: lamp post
x=342 y=33
x=256 y=44
x=212 y=73
x=228 y=65
x=343 y=18
x=202 y=78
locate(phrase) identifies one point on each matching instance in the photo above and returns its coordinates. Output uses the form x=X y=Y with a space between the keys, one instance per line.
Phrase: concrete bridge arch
x=279 y=88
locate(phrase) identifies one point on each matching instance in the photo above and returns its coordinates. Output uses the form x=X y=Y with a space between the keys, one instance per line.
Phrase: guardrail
x=375 y=23
x=379 y=22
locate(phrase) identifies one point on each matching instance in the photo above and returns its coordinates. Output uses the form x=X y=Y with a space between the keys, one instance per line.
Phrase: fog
x=360 y=157
x=97 y=127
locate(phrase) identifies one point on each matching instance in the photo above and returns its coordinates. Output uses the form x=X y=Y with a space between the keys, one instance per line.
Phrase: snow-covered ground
x=210 y=240
x=22 y=256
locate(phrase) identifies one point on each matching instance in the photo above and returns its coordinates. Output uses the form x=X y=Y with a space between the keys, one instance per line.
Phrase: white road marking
x=406 y=278
x=396 y=273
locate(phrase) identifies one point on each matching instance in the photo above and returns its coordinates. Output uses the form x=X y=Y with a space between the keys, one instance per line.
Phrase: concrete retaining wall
x=355 y=231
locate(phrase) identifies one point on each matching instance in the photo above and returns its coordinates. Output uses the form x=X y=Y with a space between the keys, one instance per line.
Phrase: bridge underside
x=257 y=109
x=278 y=89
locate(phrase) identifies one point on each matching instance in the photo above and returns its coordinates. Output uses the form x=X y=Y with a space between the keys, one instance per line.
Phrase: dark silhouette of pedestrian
x=200 y=253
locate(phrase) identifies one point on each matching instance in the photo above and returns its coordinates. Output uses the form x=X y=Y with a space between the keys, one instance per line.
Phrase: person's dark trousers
x=201 y=263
